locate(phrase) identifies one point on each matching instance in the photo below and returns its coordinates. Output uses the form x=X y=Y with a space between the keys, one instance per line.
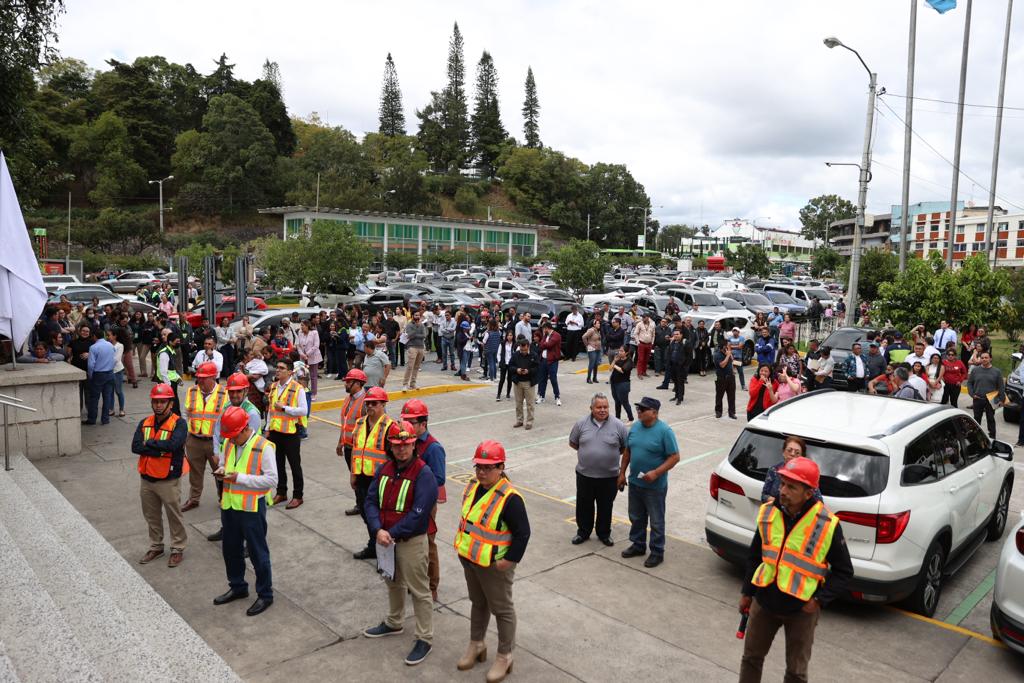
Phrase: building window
x=960 y=247
x=464 y=237
x=1003 y=226
x=496 y=240
x=960 y=229
x=933 y=245
x=371 y=230
x=1001 y=244
x=293 y=226
x=522 y=243
x=1020 y=242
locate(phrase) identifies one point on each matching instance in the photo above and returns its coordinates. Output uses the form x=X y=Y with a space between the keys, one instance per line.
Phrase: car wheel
x=748 y=352
x=925 y=598
x=999 y=515
x=1012 y=413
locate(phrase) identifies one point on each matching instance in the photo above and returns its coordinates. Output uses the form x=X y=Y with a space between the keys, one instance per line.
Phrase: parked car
x=344 y=297
x=841 y=342
x=225 y=310
x=1014 y=391
x=555 y=310
x=720 y=284
x=1007 y=613
x=918 y=487
x=803 y=294
x=272 y=317
x=134 y=304
x=55 y=282
x=752 y=301
x=497 y=284
x=786 y=303
x=83 y=294
x=699 y=299
x=130 y=282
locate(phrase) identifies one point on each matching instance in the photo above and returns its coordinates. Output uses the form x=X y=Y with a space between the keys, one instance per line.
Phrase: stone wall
x=52 y=389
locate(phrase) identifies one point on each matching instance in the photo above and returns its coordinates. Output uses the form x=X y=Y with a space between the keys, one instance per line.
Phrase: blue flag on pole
x=942 y=6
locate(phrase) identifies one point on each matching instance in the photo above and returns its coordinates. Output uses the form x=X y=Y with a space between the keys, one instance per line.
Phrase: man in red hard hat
x=370 y=449
x=159 y=442
x=431 y=452
x=798 y=562
x=205 y=401
x=398 y=511
x=238 y=391
x=351 y=410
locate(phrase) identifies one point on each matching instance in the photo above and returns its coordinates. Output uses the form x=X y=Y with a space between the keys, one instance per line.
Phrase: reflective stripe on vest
x=351 y=411
x=403 y=491
x=249 y=461
x=368 y=451
x=158 y=467
x=795 y=562
x=204 y=412
x=480 y=539
x=277 y=419
x=172 y=374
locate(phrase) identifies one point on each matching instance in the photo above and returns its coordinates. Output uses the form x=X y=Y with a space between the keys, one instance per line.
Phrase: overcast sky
x=720 y=109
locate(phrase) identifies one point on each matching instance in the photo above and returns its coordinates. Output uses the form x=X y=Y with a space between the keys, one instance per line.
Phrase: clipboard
x=386 y=561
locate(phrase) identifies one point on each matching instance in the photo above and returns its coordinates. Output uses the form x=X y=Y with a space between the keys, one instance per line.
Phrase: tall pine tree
x=392 y=117
x=531 y=112
x=455 y=114
x=272 y=74
x=488 y=133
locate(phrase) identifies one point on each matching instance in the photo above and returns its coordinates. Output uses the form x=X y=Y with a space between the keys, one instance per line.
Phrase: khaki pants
x=524 y=391
x=158 y=496
x=413 y=360
x=199 y=453
x=490 y=592
x=411 y=575
x=143 y=351
x=761 y=629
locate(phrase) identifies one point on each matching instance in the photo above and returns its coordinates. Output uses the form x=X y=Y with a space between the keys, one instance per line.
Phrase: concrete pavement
x=584 y=612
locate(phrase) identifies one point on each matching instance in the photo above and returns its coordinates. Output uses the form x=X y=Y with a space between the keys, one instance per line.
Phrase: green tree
x=531 y=112
x=492 y=259
x=876 y=266
x=399 y=170
x=608 y=192
x=1011 y=312
x=265 y=98
x=454 y=109
x=580 y=265
x=222 y=81
x=347 y=175
x=430 y=138
x=118 y=231
x=398 y=260
x=824 y=260
x=196 y=253
x=272 y=74
x=331 y=258
x=821 y=211
x=229 y=161
x=466 y=200
x=488 y=133
x=103 y=154
x=392 y=115
x=749 y=259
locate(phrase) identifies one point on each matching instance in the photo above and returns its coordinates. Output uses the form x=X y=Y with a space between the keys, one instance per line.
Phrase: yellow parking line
x=603 y=367
x=949 y=627
x=334 y=403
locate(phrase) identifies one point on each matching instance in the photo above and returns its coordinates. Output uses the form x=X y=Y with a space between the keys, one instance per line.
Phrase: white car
x=1008 y=598
x=918 y=487
x=720 y=284
x=55 y=282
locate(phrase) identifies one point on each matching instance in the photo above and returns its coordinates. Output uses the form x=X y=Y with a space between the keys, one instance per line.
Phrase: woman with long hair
x=762 y=391
x=505 y=351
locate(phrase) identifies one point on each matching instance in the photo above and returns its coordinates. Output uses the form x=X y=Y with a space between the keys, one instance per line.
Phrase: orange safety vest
x=204 y=413
x=159 y=466
x=351 y=411
x=368 y=450
x=277 y=419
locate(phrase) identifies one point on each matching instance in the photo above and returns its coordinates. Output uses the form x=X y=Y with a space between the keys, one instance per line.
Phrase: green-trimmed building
x=421 y=235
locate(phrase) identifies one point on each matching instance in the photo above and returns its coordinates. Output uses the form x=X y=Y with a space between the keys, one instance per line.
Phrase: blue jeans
x=548 y=372
x=250 y=528
x=647 y=504
x=466 y=362
x=492 y=365
x=593 y=360
x=100 y=384
x=447 y=353
x=118 y=389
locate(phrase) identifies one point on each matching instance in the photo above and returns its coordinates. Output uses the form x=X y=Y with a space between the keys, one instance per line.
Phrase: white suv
x=1008 y=597
x=918 y=487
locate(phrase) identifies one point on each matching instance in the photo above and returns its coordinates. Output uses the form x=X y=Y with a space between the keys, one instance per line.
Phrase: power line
x=980 y=106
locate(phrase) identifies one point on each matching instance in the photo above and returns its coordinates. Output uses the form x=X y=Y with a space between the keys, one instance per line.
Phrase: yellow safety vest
x=172 y=374
x=796 y=563
x=277 y=419
x=480 y=538
x=369 y=448
x=249 y=461
x=203 y=413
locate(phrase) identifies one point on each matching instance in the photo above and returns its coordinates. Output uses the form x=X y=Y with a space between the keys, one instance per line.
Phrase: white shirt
x=118 y=356
x=257 y=367
x=294 y=411
x=943 y=337
x=914 y=358
x=215 y=357
x=859 y=371
x=574 y=321
x=267 y=479
x=523 y=329
x=920 y=385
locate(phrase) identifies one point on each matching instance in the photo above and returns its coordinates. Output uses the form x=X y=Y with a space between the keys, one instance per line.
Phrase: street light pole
x=161 y=184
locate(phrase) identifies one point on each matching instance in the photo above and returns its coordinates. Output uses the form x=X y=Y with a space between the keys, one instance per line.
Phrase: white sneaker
x=558 y=401
x=540 y=399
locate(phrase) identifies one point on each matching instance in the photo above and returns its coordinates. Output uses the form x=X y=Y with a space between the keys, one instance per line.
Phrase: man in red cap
x=204 y=403
x=432 y=453
x=798 y=562
x=238 y=390
x=159 y=442
x=351 y=410
x=398 y=512
x=370 y=449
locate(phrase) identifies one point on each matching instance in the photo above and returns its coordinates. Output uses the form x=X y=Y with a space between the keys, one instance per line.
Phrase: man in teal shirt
x=651 y=451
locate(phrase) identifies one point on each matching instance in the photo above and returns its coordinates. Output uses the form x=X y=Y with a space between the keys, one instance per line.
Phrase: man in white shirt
x=920 y=355
x=209 y=354
x=574 y=332
x=943 y=336
x=524 y=329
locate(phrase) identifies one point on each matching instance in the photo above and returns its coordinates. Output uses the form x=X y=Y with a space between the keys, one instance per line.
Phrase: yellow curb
x=407 y=393
x=282 y=305
x=601 y=368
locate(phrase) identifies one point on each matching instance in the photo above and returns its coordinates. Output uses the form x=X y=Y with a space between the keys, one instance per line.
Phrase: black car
x=841 y=342
x=1014 y=392
x=556 y=311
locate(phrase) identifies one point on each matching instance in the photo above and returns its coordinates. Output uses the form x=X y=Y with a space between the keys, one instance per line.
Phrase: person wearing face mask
x=159 y=442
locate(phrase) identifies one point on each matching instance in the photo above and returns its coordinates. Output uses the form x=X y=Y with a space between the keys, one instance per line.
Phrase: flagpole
x=995 y=146
x=951 y=223
x=907 y=137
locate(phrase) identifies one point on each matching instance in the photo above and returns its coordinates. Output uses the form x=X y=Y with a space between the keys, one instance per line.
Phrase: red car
x=225 y=310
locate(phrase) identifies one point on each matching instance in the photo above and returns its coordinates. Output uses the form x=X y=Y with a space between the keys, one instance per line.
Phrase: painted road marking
x=972 y=600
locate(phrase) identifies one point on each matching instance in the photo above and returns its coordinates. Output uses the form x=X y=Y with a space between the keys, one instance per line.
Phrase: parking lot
x=584 y=612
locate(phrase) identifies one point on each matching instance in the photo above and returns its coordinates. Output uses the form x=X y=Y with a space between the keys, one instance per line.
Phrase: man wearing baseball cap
x=798 y=562
x=398 y=512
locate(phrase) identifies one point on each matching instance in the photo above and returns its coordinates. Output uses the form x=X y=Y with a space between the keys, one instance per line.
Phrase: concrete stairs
x=72 y=609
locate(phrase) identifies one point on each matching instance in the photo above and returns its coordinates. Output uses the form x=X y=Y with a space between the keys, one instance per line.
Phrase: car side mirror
x=1003 y=450
x=915 y=474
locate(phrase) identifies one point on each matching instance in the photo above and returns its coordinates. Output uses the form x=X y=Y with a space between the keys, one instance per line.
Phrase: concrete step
x=38 y=644
x=175 y=651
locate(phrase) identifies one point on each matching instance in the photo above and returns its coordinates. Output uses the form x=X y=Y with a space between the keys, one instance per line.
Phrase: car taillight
x=1020 y=540
x=721 y=483
x=888 y=528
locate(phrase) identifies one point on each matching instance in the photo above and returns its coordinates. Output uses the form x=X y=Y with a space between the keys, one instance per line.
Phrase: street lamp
x=161 y=184
x=646 y=210
x=865 y=178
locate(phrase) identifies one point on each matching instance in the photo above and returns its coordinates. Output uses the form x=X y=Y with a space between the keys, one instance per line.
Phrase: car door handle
x=954 y=489
x=981 y=475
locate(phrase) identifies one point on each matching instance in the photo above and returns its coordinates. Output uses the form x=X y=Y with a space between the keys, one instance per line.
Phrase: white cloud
x=733 y=106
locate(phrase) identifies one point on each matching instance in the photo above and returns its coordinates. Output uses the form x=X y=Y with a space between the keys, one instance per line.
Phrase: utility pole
x=951 y=223
x=161 y=184
x=67 y=257
x=991 y=243
x=588 y=227
x=907 y=136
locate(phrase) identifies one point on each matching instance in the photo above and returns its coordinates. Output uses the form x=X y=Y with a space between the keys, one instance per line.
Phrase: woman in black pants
x=622 y=366
x=505 y=351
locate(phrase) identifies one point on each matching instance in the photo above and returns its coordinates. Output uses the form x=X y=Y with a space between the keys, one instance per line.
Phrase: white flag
x=22 y=293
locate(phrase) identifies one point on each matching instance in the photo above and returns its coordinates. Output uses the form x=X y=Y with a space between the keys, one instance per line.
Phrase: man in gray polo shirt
x=598 y=439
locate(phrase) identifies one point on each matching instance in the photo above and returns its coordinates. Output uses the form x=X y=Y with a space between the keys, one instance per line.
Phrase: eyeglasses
x=485 y=468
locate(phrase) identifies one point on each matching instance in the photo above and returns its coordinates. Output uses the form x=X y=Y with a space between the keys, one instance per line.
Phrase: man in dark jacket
x=662 y=337
x=550 y=354
x=523 y=369
x=677 y=356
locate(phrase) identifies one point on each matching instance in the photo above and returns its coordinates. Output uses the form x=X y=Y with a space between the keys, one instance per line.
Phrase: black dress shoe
x=352 y=511
x=230 y=596
x=258 y=607
x=216 y=535
x=577 y=539
x=367 y=553
x=607 y=541
x=634 y=551
x=654 y=560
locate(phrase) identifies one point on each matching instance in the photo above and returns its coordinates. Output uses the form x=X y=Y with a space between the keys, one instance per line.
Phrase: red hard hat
x=803 y=470
x=414 y=408
x=376 y=394
x=355 y=374
x=402 y=432
x=239 y=380
x=206 y=370
x=233 y=422
x=162 y=391
x=488 y=453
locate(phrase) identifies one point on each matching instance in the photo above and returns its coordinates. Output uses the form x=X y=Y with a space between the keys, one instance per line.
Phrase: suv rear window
x=845 y=472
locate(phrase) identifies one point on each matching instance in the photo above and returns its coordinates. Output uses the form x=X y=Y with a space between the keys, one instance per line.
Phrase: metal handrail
x=14 y=402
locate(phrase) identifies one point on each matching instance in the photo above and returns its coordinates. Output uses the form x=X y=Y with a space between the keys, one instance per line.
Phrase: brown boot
x=502 y=667
x=151 y=555
x=475 y=652
x=175 y=558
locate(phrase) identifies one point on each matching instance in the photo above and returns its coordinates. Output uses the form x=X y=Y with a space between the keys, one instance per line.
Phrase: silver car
x=1008 y=599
